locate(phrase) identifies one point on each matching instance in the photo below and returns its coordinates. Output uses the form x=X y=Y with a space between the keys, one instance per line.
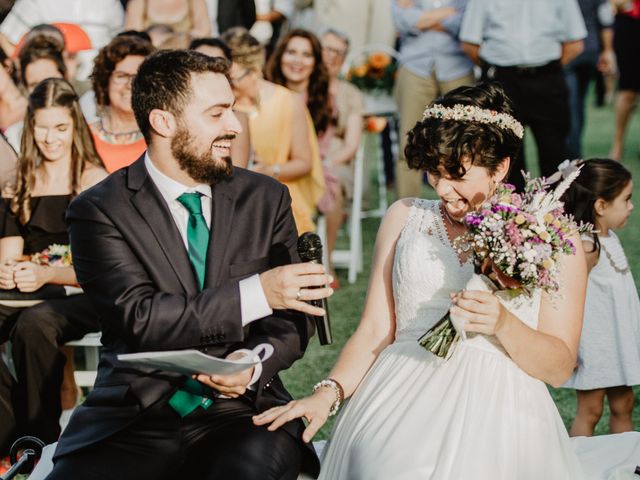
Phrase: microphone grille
x=310 y=247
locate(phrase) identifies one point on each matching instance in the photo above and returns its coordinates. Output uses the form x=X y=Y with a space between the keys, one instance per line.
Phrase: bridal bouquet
x=516 y=241
x=54 y=255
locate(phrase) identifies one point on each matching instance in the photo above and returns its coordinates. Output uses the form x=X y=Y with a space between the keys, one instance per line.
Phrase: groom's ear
x=163 y=123
x=503 y=169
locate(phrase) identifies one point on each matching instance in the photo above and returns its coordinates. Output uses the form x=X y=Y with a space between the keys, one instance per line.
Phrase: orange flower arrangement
x=374 y=72
x=379 y=60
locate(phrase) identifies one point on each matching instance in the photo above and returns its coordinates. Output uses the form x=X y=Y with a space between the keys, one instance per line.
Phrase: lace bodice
x=427 y=268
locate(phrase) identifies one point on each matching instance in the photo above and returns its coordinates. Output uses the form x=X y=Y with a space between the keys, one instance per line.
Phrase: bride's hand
x=482 y=311
x=314 y=408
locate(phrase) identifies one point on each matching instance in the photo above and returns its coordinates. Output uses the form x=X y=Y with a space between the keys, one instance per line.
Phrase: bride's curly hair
x=434 y=142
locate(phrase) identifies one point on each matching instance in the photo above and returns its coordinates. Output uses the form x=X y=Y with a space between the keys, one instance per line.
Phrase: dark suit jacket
x=131 y=261
x=236 y=13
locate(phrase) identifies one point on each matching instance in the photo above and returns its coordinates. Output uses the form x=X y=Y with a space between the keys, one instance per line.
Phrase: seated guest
x=183 y=16
x=116 y=134
x=8 y=164
x=342 y=145
x=177 y=41
x=241 y=145
x=158 y=33
x=13 y=105
x=72 y=38
x=88 y=98
x=282 y=133
x=297 y=63
x=57 y=161
x=39 y=58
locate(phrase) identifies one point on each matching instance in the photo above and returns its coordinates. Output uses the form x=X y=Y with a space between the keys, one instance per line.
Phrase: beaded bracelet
x=337 y=388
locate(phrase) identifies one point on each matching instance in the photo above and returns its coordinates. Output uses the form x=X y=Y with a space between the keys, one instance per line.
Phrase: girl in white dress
x=485 y=413
x=609 y=353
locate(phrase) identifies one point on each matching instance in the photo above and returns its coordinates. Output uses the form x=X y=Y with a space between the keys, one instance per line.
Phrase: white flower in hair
x=470 y=113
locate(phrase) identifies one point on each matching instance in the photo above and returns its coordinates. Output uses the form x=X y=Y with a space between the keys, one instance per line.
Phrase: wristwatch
x=275 y=171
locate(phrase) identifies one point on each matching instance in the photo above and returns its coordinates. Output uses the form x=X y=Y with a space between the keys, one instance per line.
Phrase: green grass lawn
x=347 y=303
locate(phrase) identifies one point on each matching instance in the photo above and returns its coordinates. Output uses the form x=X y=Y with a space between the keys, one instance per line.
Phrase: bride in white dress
x=486 y=412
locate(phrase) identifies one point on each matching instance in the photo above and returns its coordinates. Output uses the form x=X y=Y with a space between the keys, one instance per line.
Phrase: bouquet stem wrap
x=445 y=335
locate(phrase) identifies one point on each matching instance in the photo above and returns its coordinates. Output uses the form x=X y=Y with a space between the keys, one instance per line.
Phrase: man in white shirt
x=180 y=250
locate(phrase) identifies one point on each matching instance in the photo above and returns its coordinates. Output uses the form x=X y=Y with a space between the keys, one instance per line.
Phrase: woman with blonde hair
x=282 y=132
x=57 y=161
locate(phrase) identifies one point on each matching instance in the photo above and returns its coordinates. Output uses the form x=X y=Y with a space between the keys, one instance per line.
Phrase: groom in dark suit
x=180 y=250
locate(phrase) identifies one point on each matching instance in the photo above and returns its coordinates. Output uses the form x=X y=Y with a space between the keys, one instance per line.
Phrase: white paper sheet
x=189 y=362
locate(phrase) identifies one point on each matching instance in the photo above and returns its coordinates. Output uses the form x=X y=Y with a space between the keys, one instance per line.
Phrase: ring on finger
x=299 y=294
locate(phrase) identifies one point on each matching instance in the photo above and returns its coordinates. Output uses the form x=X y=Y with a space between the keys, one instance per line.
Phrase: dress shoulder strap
x=423 y=215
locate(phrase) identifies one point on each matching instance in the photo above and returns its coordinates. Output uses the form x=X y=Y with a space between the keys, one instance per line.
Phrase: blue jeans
x=578 y=75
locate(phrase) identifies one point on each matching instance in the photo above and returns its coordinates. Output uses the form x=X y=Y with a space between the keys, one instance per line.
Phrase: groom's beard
x=203 y=167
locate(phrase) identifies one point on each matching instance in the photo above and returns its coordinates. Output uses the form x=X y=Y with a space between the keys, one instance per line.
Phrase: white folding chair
x=381 y=106
x=91 y=344
x=350 y=258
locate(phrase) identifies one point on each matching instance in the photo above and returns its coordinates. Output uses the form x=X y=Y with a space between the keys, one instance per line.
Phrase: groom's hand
x=229 y=385
x=292 y=286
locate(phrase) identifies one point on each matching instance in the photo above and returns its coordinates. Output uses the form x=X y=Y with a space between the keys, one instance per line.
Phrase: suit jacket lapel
x=221 y=223
x=155 y=212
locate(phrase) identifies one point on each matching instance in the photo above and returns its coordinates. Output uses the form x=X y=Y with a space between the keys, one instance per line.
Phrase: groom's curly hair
x=434 y=142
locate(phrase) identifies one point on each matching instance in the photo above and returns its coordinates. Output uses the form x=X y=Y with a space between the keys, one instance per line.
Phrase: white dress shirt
x=253 y=302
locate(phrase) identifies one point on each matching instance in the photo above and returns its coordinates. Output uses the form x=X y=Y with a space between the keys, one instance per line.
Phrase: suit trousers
x=412 y=94
x=541 y=101
x=220 y=442
x=31 y=405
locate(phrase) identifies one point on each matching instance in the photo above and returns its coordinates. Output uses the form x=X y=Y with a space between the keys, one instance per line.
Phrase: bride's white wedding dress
x=475 y=416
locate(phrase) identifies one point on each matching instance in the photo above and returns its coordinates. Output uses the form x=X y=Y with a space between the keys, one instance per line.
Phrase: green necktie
x=190 y=396
x=197 y=234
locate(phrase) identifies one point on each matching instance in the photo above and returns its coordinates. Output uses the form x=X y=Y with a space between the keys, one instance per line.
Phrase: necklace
x=117 y=137
x=457 y=243
x=612 y=262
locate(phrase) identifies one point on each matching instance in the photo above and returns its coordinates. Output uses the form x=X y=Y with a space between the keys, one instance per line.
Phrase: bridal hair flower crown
x=470 y=113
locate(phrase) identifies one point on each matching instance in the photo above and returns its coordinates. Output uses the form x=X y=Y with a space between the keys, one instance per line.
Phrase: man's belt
x=525 y=70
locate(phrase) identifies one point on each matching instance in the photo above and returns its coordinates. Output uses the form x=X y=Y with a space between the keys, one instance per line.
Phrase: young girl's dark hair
x=599 y=178
x=433 y=142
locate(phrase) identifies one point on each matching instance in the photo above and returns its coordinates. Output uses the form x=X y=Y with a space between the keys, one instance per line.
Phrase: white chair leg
x=355 y=237
x=321 y=230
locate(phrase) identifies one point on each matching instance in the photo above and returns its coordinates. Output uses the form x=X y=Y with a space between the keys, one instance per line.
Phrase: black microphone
x=310 y=250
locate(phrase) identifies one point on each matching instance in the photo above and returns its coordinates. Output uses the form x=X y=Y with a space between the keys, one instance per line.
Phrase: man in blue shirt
x=431 y=64
x=523 y=44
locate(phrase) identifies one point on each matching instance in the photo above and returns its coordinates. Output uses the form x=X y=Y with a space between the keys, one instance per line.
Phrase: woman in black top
x=57 y=161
